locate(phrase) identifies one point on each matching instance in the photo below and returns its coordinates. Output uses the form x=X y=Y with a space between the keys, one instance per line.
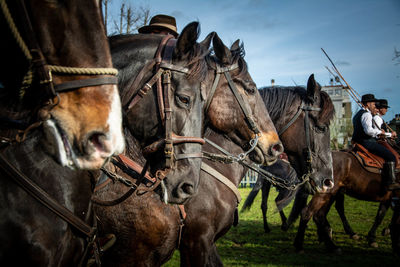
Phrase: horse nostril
x=187 y=189
x=97 y=142
x=276 y=149
x=328 y=183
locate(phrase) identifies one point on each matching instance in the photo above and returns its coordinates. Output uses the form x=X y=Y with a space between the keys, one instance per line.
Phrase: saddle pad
x=372 y=162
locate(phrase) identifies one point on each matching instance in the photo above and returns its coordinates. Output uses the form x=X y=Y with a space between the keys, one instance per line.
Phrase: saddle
x=370 y=161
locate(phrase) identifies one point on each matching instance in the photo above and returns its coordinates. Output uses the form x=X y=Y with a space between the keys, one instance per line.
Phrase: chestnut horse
x=148 y=230
x=352 y=179
x=58 y=88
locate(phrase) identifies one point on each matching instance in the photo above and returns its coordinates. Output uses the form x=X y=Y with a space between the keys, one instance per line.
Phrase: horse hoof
x=355 y=237
x=373 y=244
x=386 y=231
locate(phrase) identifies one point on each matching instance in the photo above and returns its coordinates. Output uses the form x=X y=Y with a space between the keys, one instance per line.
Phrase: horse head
x=60 y=61
x=307 y=139
x=168 y=124
x=234 y=106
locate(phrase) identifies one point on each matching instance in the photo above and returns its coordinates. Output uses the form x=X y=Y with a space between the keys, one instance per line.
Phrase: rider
x=382 y=107
x=366 y=134
x=161 y=24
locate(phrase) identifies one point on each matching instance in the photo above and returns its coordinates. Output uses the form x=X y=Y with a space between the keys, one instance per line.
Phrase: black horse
x=148 y=230
x=305 y=136
x=50 y=53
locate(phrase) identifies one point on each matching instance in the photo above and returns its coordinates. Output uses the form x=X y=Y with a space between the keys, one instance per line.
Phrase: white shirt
x=369 y=128
x=379 y=121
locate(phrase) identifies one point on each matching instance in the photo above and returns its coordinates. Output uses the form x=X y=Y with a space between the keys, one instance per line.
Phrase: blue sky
x=283 y=39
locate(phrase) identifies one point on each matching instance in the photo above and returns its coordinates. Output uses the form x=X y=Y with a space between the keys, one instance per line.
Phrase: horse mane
x=279 y=100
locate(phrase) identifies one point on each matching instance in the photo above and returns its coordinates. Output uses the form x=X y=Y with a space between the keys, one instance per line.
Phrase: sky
x=283 y=39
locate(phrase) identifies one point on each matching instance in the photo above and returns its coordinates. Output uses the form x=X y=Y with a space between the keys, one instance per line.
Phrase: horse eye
x=321 y=128
x=184 y=99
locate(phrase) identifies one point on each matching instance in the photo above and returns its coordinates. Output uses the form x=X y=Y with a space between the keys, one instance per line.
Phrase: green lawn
x=248 y=245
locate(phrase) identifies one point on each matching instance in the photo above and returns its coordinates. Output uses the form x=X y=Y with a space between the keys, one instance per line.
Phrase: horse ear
x=207 y=41
x=313 y=89
x=221 y=51
x=236 y=45
x=187 y=40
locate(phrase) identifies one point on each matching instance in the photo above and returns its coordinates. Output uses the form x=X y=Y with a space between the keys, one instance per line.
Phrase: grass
x=248 y=245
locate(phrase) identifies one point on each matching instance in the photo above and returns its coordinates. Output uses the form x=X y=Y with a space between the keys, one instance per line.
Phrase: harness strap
x=220 y=177
x=67 y=86
x=292 y=120
x=212 y=92
x=39 y=194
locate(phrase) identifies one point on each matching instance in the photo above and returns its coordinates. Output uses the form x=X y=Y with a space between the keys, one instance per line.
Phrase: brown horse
x=46 y=75
x=352 y=179
x=148 y=230
x=58 y=88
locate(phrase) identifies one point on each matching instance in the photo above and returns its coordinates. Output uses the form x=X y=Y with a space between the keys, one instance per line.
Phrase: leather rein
x=39 y=68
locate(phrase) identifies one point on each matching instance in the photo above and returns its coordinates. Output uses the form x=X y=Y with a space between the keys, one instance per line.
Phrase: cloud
x=342 y=63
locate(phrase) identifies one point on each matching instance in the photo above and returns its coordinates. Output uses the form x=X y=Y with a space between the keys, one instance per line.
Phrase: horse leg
x=266 y=187
x=214 y=259
x=339 y=205
x=306 y=214
x=383 y=207
x=395 y=223
x=284 y=225
x=300 y=202
x=323 y=227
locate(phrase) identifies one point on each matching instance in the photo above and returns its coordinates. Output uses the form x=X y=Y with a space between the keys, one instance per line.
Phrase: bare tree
x=131 y=18
x=105 y=5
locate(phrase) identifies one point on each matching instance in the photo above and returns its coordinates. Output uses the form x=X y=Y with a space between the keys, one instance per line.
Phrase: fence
x=249 y=179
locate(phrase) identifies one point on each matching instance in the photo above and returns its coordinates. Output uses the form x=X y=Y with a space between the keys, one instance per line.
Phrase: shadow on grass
x=248 y=245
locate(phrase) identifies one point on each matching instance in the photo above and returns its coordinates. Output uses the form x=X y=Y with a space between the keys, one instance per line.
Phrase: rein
x=46 y=200
x=44 y=71
x=307 y=151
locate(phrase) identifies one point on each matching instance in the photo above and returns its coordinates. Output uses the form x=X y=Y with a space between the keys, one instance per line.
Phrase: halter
x=307 y=151
x=249 y=118
x=44 y=71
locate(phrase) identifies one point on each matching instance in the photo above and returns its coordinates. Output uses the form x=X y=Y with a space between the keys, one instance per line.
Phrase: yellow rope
x=14 y=30
x=53 y=68
x=83 y=71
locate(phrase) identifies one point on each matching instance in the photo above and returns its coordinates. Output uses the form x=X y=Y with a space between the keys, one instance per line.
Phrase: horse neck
x=234 y=171
x=69 y=188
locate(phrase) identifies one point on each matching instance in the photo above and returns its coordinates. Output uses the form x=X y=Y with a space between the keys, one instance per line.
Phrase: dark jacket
x=359 y=134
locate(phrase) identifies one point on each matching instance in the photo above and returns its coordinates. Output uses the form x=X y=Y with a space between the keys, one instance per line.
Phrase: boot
x=389 y=176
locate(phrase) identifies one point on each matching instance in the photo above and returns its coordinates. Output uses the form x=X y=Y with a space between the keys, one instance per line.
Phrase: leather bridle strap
x=67 y=86
x=220 y=177
x=45 y=199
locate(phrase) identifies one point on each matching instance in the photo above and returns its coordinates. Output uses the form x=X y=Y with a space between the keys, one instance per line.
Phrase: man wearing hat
x=161 y=24
x=366 y=134
x=382 y=107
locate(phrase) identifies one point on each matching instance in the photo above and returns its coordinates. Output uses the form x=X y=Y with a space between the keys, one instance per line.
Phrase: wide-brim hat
x=368 y=98
x=160 y=22
x=382 y=103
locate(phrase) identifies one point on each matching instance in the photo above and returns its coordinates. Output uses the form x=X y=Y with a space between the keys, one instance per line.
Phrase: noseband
x=307 y=151
x=43 y=71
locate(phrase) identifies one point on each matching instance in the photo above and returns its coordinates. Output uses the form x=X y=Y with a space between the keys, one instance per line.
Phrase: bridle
x=249 y=118
x=38 y=67
x=162 y=78
x=307 y=150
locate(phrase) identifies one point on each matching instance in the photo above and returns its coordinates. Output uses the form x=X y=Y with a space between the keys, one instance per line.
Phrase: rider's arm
x=366 y=121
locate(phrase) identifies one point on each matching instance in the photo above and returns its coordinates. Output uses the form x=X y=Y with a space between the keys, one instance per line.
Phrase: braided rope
x=82 y=71
x=14 y=30
x=53 y=68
